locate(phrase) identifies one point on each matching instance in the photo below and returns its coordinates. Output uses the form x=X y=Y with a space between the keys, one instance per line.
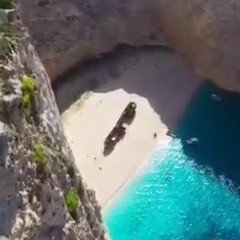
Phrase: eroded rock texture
x=36 y=165
x=205 y=32
x=70 y=31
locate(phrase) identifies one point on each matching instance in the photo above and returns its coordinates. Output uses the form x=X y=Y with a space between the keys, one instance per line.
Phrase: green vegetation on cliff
x=8 y=35
x=29 y=87
x=5 y=47
x=72 y=202
x=29 y=84
x=9 y=30
x=41 y=183
x=6 y=4
x=40 y=156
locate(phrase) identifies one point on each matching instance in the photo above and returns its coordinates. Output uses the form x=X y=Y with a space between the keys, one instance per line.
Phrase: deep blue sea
x=188 y=192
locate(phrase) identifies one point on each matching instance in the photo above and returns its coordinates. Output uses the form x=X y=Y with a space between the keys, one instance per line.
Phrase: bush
x=26 y=102
x=6 y=46
x=40 y=156
x=29 y=84
x=8 y=30
x=8 y=37
x=72 y=202
x=6 y=4
x=29 y=87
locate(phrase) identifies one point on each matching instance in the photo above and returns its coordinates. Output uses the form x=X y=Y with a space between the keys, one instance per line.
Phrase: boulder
x=3 y=18
x=6 y=16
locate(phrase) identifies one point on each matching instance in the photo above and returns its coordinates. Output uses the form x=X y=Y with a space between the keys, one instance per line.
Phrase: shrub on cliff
x=9 y=34
x=40 y=157
x=6 y=47
x=6 y=4
x=11 y=31
x=72 y=202
x=29 y=86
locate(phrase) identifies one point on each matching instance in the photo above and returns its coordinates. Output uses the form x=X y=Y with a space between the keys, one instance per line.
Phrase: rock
x=78 y=30
x=43 y=3
x=3 y=144
x=6 y=15
x=11 y=15
x=206 y=33
x=54 y=214
x=9 y=200
x=31 y=206
x=3 y=238
x=3 y=16
x=12 y=112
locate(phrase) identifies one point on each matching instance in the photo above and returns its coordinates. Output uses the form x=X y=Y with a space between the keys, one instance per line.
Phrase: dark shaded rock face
x=204 y=32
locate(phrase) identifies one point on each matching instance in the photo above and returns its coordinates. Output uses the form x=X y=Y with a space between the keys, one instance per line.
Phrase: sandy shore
x=159 y=82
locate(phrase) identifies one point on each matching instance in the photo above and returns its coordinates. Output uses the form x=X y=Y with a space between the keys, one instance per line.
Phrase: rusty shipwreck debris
x=119 y=131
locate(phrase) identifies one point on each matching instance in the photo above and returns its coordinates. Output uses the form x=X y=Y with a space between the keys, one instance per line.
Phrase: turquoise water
x=188 y=192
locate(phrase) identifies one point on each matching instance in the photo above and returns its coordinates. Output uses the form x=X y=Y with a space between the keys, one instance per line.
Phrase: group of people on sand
x=119 y=131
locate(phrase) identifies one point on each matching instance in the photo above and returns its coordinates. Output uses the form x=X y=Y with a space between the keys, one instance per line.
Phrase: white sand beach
x=159 y=82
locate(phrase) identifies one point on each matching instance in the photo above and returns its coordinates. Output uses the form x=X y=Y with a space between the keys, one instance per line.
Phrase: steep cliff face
x=68 y=32
x=42 y=193
x=204 y=32
x=207 y=34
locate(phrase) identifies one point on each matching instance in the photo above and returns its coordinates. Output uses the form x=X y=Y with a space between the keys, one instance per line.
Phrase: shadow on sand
x=155 y=73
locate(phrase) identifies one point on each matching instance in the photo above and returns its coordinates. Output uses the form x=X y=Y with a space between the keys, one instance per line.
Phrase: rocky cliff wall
x=68 y=32
x=42 y=194
x=205 y=32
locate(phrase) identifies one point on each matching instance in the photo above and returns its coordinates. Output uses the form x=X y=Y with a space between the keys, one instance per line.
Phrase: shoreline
x=106 y=175
x=160 y=83
x=135 y=174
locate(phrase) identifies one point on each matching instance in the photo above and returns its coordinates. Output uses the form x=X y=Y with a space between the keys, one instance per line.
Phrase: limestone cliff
x=42 y=194
x=206 y=33
x=70 y=31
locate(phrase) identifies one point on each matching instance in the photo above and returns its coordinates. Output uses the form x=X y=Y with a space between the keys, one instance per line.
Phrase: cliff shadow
x=168 y=83
x=155 y=73
x=10 y=201
x=213 y=117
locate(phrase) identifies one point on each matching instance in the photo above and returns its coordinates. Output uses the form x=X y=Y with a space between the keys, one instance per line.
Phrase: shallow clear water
x=185 y=191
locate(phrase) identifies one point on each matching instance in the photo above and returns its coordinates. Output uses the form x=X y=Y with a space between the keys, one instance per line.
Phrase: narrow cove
x=188 y=191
